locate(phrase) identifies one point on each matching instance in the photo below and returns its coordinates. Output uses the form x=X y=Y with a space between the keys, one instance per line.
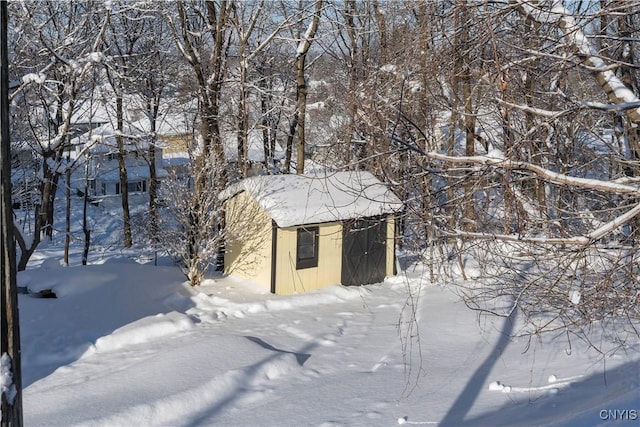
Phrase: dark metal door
x=364 y=252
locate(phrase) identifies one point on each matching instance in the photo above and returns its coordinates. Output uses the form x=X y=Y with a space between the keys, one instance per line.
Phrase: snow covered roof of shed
x=292 y=200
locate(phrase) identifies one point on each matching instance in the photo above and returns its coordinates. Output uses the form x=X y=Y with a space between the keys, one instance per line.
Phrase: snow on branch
x=595 y=235
x=616 y=90
x=552 y=115
x=635 y=105
x=310 y=33
x=499 y=161
x=496 y=159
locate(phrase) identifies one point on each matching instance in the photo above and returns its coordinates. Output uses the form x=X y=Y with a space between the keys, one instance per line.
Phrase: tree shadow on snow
x=460 y=408
x=608 y=397
x=300 y=357
x=92 y=303
x=252 y=374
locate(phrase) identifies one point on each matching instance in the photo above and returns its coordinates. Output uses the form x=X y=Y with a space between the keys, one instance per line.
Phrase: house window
x=137 y=187
x=307 y=247
x=117 y=188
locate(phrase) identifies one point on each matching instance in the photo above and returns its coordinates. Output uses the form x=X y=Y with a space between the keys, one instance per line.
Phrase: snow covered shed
x=297 y=233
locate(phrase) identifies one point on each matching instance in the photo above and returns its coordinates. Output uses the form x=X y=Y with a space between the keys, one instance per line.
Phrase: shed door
x=364 y=251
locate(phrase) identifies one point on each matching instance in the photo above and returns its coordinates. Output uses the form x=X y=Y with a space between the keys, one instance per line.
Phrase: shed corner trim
x=274 y=254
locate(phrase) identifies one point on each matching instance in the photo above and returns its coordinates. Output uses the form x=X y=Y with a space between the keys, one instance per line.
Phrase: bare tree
x=298 y=124
x=176 y=223
x=54 y=73
x=254 y=36
x=553 y=214
x=126 y=29
x=154 y=76
x=201 y=32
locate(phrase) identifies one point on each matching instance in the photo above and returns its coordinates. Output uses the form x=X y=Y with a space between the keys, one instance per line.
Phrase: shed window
x=307 y=248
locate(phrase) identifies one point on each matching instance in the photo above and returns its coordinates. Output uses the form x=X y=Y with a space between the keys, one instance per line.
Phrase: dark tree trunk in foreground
x=9 y=321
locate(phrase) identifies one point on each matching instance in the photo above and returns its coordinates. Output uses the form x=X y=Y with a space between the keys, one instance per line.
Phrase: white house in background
x=97 y=152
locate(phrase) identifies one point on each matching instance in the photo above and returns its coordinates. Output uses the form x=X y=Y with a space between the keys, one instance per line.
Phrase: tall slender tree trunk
x=122 y=168
x=85 y=223
x=67 y=222
x=301 y=114
x=538 y=144
x=290 y=138
x=11 y=408
x=454 y=119
x=48 y=189
x=266 y=128
x=469 y=119
x=243 y=118
x=349 y=12
x=152 y=113
x=301 y=91
x=382 y=31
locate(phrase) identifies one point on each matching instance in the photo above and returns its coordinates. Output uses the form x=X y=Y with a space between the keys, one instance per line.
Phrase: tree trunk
x=85 y=224
x=349 y=12
x=382 y=31
x=9 y=318
x=289 y=145
x=26 y=252
x=122 y=167
x=152 y=111
x=454 y=102
x=301 y=90
x=243 y=118
x=48 y=191
x=469 y=119
x=266 y=131
x=301 y=114
x=67 y=222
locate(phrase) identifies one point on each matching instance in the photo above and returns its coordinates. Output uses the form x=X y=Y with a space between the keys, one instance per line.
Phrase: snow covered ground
x=129 y=343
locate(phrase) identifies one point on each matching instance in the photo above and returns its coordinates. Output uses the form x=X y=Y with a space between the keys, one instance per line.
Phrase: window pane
x=306 y=251
x=307 y=247
x=306 y=238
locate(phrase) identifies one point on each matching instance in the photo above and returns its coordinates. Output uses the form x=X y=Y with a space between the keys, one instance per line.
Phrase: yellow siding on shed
x=391 y=243
x=327 y=273
x=248 y=240
x=248 y=247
